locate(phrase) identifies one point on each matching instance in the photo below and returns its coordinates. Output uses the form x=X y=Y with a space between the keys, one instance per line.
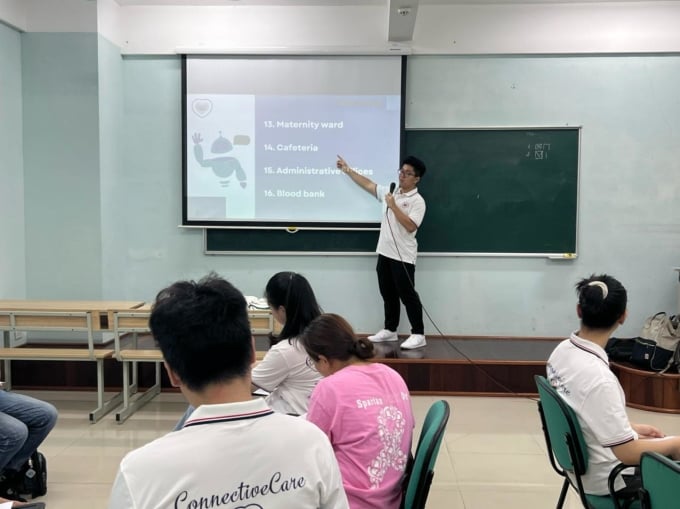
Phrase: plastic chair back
x=660 y=481
x=561 y=426
x=422 y=470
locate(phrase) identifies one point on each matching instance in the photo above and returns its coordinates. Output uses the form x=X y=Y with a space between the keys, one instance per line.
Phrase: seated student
x=579 y=370
x=283 y=371
x=364 y=408
x=234 y=451
x=24 y=423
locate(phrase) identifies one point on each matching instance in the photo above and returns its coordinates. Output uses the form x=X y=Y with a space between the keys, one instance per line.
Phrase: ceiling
x=401 y=13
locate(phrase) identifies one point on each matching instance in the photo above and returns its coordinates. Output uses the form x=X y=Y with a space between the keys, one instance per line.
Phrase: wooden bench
x=73 y=321
x=136 y=322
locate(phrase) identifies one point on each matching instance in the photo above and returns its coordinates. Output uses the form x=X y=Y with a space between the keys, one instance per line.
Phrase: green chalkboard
x=488 y=191
x=498 y=191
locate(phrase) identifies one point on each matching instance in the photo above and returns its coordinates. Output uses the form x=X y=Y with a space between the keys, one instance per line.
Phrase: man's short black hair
x=417 y=164
x=202 y=329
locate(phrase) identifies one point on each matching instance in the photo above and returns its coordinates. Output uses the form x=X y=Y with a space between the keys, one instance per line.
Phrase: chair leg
x=563 y=494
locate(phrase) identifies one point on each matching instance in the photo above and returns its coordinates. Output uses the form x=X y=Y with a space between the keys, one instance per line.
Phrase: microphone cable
x=448 y=341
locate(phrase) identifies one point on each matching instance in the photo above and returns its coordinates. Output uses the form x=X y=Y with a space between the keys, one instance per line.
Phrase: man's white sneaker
x=414 y=341
x=383 y=335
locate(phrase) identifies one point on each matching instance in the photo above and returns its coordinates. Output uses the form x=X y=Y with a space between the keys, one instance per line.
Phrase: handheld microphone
x=392 y=186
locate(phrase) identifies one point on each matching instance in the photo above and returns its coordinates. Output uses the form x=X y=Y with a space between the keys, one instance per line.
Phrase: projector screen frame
x=290 y=225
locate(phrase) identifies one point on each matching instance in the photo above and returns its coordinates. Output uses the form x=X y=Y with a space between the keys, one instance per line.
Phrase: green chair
x=660 y=481
x=421 y=470
x=567 y=449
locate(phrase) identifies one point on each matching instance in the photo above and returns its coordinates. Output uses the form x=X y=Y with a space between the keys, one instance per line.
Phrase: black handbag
x=620 y=349
x=647 y=354
x=659 y=341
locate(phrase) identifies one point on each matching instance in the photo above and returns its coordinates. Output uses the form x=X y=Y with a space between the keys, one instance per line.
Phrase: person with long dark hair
x=283 y=371
x=365 y=410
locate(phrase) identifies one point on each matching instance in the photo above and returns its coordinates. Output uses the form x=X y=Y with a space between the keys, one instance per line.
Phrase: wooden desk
x=84 y=317
x=55 y=314
x=136 y=322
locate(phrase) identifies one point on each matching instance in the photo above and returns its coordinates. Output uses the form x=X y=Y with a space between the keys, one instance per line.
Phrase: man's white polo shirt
x=579 y=370
x=229 y=456
x=395 y=241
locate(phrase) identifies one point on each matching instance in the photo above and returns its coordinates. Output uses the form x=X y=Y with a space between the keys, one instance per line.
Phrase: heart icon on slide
x=202 y=107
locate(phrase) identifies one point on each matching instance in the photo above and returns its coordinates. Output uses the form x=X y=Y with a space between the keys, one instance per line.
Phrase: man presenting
x=233 y=451
x=397 y=248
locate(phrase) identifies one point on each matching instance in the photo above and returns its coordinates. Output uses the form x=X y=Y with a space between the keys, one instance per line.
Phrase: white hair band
x=603 y=287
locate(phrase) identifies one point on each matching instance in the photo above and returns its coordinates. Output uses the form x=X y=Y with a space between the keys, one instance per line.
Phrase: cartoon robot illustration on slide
x=222 y=165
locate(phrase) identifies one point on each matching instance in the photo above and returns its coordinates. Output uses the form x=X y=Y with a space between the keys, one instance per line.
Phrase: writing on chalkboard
x=538 y=151
x=498 y=191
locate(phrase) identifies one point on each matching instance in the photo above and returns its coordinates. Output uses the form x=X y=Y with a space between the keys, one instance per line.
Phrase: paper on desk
x=257 y=303
x=6 y=505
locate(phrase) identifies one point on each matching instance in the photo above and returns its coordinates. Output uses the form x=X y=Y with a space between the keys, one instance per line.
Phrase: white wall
x=159 y=30
x=570 y=27
x=130 y=245
x=61 y=15
x=12 y=222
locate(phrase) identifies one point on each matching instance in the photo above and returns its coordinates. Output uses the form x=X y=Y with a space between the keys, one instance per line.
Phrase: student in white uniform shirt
x=283 y=371
x=234 y=451
x=579 y=370
x=397 y=248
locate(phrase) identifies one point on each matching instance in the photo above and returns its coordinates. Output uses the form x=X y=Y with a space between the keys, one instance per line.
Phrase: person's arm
x=364 y=182
x=630 y=452
x=270 y=371
x=401 y=216
x=605 y=412
x=647 y=431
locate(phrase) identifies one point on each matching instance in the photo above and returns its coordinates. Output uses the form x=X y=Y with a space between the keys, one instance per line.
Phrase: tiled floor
x=493 y=455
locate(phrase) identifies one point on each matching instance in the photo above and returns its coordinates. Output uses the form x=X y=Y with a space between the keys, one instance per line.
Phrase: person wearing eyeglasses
x=397 y=248
x=365 y=410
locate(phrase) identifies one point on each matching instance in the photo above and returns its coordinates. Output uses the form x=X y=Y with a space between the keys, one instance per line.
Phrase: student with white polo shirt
x=234 y=451
x=579 y=370
x=397 y=248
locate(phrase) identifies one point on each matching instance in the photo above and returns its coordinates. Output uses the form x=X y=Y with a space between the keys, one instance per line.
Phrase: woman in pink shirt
x=365 y=409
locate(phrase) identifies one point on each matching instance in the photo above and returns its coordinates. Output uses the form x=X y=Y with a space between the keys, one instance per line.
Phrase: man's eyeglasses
x=406 y=173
